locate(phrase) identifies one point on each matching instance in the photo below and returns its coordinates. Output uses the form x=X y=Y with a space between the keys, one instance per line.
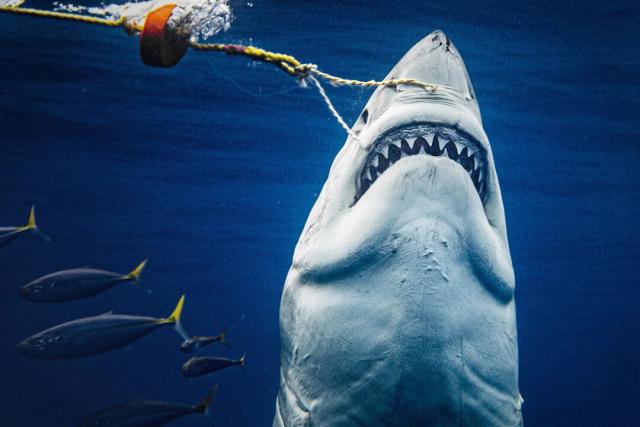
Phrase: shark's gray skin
x=92 y=335
x=9 y=234
x=398 y=309
x=198 y=366
x=145 y=413
x=68 y=285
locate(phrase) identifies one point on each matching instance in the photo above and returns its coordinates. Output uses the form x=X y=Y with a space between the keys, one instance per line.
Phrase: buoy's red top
x=161 y=45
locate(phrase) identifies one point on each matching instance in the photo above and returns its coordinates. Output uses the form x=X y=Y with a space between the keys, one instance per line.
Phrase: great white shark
x=398 y=309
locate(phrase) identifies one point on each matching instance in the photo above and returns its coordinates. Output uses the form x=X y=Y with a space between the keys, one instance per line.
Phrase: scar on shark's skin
x=399 y=309
x=434 y=265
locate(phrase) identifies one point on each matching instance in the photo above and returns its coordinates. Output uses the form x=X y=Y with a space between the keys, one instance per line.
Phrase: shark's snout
x=441 y=64
x=435 y=60
x=438 y=42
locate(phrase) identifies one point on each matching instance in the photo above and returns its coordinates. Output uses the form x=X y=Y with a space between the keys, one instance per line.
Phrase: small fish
x=9 y=234
x=191 y=344
x=198 y=366
x=76 y=283
x=92 y=335
x=146 y=413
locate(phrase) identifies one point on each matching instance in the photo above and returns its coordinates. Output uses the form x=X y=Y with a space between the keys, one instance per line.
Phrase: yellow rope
x=292 y=66
x=312 y=69
x=64 y=16
x=287 y=63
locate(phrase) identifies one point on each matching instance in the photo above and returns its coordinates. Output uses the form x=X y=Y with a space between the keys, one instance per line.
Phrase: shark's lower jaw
x=426 y=139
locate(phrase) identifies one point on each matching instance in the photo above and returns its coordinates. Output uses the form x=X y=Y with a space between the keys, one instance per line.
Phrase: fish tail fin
x=241 y=360
x=175 y=319
x=31 y=221
x=205 y=403
x=223 y=336
x=136 y=272
x=33 y=227
x=176 y=314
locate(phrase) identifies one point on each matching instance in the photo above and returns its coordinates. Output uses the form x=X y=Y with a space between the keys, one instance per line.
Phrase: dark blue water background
x=209 y=174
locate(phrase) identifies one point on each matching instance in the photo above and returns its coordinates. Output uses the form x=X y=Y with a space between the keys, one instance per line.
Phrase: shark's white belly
x=398 y=309
x=414 y=339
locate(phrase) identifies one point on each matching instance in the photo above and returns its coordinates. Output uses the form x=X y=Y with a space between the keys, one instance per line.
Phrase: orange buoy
x=160 y=45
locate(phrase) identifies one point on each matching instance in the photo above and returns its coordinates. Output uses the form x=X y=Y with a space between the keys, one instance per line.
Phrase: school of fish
x=110 y=331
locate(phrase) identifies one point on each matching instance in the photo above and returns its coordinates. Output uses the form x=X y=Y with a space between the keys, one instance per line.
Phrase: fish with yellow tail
x=92 y=335
x=9 y=234
x=146 y=413
x=68 y=285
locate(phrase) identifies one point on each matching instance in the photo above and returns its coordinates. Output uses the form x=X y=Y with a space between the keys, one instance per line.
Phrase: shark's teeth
x=433 y=141
x=366 y=174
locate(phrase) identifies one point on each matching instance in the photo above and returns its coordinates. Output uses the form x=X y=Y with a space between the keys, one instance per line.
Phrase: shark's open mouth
x=424 y=140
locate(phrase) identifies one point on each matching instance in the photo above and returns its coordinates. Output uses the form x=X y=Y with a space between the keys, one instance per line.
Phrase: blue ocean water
x=209 y=170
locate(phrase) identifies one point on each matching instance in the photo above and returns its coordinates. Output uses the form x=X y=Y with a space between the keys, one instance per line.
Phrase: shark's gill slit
x=426 y=140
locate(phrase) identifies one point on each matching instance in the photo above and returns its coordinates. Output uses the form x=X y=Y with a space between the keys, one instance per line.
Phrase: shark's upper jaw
x=426 y=139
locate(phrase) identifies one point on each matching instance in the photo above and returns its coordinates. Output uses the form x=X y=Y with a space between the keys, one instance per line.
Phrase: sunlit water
x=209 y=169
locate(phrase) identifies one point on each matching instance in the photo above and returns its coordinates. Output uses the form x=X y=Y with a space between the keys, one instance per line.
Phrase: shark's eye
x=365 y=116
x=37 y=288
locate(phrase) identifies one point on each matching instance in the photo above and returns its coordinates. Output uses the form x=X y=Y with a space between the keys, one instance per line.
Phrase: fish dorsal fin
x=108 y=313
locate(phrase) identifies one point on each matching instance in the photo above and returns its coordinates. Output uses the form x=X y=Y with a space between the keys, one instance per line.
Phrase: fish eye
x=37 y=288
x=38 y=343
